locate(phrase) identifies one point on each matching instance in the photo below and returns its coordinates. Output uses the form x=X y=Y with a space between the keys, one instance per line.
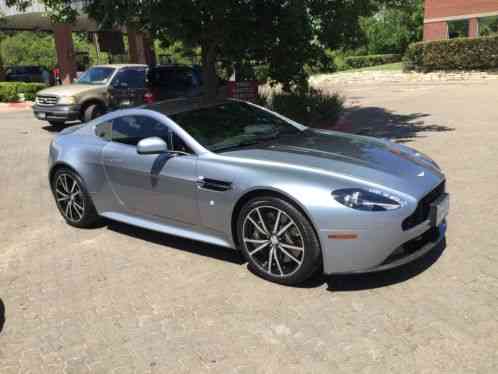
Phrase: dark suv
x=130 y=88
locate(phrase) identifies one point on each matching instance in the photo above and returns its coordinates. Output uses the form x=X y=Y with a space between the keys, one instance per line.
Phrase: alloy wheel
x=273 y=241
x=69 y=197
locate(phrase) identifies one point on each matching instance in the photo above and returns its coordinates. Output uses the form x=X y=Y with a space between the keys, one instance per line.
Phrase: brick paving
x=122 y=300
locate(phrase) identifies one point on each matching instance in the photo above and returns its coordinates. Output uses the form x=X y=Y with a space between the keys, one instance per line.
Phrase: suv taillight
x=149 y=98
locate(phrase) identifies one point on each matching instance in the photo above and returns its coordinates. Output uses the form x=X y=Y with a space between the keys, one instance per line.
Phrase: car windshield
x=232 y=125
x=96 y=75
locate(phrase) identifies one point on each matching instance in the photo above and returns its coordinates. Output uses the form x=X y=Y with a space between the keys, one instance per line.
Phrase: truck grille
x=422 y=212
x=46 y=100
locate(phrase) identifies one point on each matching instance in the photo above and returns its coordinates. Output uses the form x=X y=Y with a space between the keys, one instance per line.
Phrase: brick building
x=460 y=18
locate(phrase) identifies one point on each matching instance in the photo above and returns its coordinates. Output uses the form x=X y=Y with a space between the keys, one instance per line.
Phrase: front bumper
x=379 y=247
x=413 y=249
x=57 y=113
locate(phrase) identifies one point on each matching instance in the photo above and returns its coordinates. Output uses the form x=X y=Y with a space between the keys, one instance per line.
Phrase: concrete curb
x=11 y=107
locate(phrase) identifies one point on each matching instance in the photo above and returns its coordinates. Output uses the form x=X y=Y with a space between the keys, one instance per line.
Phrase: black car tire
x=57 y=124
x=311 y=260
x=92 y=111
x=89 y=217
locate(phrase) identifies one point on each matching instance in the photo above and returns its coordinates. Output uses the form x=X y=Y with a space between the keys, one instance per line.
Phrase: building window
x=458 y=29
x=488 y=26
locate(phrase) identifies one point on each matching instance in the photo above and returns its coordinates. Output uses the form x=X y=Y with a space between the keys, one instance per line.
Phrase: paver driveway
x=124 y=300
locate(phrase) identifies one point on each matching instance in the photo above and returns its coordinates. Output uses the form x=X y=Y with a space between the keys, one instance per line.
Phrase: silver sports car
x=292 y=199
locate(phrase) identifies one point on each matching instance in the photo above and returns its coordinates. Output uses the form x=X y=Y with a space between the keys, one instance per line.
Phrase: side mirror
x=152 y=146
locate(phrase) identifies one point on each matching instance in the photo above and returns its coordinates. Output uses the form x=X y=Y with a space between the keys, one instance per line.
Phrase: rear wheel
x=278 y=241
x=73 y=200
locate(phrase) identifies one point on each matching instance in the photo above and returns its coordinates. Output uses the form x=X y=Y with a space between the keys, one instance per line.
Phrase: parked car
x=90 y=96
x=293 y=200
x=35 y=74
x=109 y=87
x=162 y=82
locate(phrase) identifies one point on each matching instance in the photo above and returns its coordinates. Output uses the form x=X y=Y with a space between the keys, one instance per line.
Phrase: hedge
x=312 y=108
x=11 y=91
x=454 y=54
x=357 y=62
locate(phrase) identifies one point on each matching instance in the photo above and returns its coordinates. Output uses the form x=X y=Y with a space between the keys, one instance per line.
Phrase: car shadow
x=335 y=283
x=175 y=242
x=369 y=281
x=2 y=315
x=382 y=123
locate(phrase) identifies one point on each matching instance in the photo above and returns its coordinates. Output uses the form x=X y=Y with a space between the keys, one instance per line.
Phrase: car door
x=127 y=88
x=161 y=185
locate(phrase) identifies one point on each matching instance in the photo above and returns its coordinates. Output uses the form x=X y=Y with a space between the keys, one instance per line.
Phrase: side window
x=104 y=130
x=129 y=78
x=131 y=129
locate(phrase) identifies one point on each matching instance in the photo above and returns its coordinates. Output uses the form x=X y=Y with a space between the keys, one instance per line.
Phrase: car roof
x=181 y=105
x=118 y=66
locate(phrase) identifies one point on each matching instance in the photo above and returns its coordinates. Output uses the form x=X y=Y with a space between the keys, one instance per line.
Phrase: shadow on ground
x=381 y=123
x=177 y=243
x=2 y=315
x=335 y=283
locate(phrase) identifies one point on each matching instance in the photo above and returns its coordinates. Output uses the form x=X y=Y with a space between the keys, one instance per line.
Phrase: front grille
x=412 y=246
x=422 y=212
x=46 y=100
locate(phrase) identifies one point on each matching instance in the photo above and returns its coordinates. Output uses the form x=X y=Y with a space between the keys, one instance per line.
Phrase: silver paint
x=161 y=191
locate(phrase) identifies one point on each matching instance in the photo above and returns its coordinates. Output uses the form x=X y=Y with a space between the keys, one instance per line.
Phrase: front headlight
x=371 y=200
x=67 y=100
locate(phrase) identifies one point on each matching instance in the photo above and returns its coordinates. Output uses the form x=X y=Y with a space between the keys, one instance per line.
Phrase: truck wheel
x=56 y=124
x=92 y=111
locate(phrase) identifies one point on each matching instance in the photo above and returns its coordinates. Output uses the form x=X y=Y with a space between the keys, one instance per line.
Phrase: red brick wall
x=450 y=8
x=435 y=31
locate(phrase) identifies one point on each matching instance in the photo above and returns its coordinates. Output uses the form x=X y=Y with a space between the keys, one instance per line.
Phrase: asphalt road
x=125 y=300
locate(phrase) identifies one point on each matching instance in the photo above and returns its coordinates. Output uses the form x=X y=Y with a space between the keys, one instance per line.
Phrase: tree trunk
x=209 y=72
x=2 y=71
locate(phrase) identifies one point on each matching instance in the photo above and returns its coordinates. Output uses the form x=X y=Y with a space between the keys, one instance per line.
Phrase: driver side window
x=131 y=129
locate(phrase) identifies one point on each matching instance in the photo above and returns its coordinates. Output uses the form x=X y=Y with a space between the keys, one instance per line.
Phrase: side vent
x=214 y=185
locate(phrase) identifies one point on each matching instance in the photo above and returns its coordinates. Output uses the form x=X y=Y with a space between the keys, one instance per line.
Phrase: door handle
x=114 y=160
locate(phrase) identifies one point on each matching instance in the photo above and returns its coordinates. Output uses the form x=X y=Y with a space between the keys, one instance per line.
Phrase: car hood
x=366 y=159
x=70 y=89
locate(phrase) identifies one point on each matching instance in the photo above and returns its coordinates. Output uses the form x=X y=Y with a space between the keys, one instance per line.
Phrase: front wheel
x=278 y=241
x=73 y=200
x=92 y=111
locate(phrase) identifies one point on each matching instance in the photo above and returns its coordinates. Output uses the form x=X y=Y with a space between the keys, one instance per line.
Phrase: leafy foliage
x=11 y=91
x=393 y=28
x=313 y=107
x=357 y=62
x=283 y=35
x=454 y=54
x=29 y=48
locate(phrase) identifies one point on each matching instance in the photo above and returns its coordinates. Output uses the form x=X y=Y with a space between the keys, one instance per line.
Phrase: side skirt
x=170 y=229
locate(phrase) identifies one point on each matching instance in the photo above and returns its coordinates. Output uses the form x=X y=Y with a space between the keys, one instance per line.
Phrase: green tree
x=283 y=34
x=394 y=27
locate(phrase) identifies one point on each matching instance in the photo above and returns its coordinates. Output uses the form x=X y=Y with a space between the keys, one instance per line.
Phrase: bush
x=357 y=62
x=11 y=91
x=454 y=54
x=312 y=108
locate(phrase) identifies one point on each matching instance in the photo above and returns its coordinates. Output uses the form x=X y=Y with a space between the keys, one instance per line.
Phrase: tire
x=81 y=211
x=57 y=124
x=296 y=250
x=92 y=111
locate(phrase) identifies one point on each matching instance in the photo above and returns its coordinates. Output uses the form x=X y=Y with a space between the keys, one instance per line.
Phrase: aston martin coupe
x=294 y=200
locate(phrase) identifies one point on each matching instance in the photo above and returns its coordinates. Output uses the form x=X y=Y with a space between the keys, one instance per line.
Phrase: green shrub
x=11 y=91
x=454 y=54
x=312 y=108
x=357 y=62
